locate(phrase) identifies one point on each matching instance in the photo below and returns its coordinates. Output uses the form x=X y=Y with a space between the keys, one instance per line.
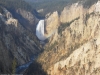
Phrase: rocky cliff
x=17 y=44
x=27 y=19
x=74 y=49
x=51 y=24
x=73 y=43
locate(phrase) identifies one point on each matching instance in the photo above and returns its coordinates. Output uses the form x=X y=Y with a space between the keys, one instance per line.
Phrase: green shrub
x=14 y=66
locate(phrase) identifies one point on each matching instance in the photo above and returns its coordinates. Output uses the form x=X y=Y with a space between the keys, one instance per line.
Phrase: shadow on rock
x=35 y=69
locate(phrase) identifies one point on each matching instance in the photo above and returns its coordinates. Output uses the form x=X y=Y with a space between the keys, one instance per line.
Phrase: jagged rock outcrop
x=7 y=18
x=76 y=49
x=71 y=12
x=27 y=19
x=12 y=21
x=51 y=24
x=27 y=15
x=83 y=60
x=7 y=13
x=16 y=43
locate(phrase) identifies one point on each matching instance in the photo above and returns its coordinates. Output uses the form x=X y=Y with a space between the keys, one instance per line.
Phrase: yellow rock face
x=77 y=50
x=51 y=24
x=84 y=60
x=71 y=12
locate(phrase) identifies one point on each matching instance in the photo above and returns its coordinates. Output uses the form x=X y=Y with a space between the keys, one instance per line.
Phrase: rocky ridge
x=17 y=44
x=74 y=49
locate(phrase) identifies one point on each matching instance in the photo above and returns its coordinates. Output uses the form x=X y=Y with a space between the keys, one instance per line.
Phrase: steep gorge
x=18 y=45
x=73 y=41
x=74 y=49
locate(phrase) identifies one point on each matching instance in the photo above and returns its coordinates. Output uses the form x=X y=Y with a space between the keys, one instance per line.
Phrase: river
x=40 y=35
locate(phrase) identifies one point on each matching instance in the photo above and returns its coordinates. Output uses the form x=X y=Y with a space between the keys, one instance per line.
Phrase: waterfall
x=40 y=30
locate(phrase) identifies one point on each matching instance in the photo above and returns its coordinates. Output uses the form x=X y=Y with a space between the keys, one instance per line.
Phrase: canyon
x=74 y=48
x=70 y=41
x=18 y=45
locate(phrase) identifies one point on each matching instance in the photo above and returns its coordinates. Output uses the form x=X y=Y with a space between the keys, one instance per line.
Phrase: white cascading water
x=40 y=30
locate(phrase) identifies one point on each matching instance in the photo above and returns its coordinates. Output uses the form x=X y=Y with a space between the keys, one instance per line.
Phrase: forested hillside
x=46 y=5
x=15 y=4
x=56 y=5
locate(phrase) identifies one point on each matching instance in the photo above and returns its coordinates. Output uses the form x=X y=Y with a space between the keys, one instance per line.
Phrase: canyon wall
x=74 y=49
x=17 y=44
